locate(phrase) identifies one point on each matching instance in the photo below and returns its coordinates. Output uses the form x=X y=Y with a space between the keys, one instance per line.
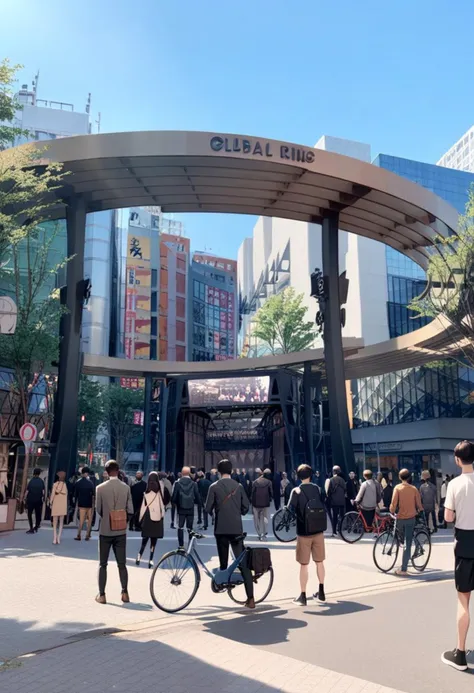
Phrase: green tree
x=281 y=325
x=120 y=404
x=8 y=104
x=90 y=412
x=449 y=295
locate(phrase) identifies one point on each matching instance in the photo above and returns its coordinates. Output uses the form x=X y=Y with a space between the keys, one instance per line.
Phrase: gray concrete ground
x=375 y=630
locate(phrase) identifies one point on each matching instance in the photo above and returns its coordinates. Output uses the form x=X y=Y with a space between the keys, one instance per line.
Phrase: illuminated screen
x=229 y=391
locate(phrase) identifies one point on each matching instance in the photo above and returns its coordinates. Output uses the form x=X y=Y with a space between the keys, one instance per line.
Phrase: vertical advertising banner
x=138 y=296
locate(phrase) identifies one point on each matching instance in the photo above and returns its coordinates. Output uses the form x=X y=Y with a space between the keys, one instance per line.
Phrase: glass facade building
x=438 y=390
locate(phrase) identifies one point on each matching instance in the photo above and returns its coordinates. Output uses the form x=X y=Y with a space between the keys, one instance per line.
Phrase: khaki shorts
x=310 y=547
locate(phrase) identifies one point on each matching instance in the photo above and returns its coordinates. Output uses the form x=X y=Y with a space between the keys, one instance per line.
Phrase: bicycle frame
x=379 y=525
x=192 y=551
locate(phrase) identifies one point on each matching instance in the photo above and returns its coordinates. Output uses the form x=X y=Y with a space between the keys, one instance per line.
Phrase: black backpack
x=186 y=496
x=315 y=518
x=260 y=560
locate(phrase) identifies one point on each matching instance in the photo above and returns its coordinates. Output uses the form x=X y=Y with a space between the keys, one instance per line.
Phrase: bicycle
x=176 y=578
x=284 y=525
x=354 y=525
x=387 y=546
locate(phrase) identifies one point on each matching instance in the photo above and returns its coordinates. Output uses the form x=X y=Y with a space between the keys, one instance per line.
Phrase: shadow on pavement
x=258 y=628
x=338 y=608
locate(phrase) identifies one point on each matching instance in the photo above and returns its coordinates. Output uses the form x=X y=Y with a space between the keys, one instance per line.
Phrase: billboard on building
x=228 y=391
x=138 y=296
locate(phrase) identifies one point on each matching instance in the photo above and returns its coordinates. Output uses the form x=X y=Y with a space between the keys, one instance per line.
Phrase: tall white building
x=284 y=253
x=461 y=155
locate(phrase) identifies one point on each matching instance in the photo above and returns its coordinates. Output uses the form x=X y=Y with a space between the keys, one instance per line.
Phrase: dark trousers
x=369 y=516
x=119 y=545
x=134 y=524
x=173 y=513
x=337 y=513
x=153 y=541
x=37 y=509
x=182 y=519
x=202 y=514
x=277 y=501
x=431 y=513
x=224 y=541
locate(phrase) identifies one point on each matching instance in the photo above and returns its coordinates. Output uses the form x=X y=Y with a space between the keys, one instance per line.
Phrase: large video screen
x=229 y=391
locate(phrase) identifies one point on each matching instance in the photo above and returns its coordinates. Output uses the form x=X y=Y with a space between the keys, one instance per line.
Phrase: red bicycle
x=354 y=525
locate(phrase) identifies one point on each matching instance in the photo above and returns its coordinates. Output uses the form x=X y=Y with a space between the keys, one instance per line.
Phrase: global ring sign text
x=265 y=149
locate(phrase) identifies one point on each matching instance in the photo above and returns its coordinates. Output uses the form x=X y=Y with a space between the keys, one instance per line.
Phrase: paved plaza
x=376 y=633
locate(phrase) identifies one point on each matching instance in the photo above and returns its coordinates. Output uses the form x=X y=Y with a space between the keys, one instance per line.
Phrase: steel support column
x=147 y=425
x=341 y=442
x=64 y=434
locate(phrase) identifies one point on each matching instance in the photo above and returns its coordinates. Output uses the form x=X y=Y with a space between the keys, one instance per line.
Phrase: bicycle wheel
x=385 y=551
x=174 y=581
x=284 y=525
x=352 y=527
x=262 y=585
x=421 y=550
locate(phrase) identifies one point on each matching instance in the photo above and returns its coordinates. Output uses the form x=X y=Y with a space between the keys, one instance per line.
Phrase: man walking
x=113 y=503
x=203 y=484
x=261 y=499
x=185 y=495
x=137 y=490
x=84 y=497
x=228 y=500
x=352 y=489
x=311 y=523
x=459 y=508
x=428 y=493
x=35 y=494
x=337 y=498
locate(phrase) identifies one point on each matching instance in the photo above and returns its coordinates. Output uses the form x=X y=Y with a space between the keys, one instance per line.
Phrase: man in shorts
x=459 y=508
x=308 y=545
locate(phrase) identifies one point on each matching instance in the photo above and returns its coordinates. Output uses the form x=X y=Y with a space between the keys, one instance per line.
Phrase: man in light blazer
x=112 y=495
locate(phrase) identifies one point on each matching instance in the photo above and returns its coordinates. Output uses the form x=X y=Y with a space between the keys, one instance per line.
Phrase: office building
x=461 y=155
x=213 y=283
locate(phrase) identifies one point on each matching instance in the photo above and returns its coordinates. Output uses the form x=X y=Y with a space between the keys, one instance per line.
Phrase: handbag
x=117 y=519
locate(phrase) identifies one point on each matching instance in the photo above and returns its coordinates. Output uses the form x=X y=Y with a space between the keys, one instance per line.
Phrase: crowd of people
x=223 y=496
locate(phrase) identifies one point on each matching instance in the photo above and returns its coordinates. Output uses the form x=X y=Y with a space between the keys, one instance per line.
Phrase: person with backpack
x=311 y=523
x=369 y=496
x=229 y=502
x=185 y=495
x=337 y=498
x=262 y=495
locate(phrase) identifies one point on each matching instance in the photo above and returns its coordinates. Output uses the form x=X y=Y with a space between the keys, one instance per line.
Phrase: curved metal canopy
x=208 y=172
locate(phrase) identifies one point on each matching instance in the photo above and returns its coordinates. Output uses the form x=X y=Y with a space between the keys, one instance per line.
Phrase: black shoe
x=301 y=600
x=455 y=658
x=204 y=529
x=31 y=531
x=172 y=525
x=320 y=595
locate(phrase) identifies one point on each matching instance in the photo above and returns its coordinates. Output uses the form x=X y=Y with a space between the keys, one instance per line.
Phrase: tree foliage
x=120 y=404
x=8 y=104
x=450 y=287
x=281 y=325
x=91 y=412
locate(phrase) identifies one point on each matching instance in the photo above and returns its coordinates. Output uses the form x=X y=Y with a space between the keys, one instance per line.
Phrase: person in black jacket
x=352 y=489
x=35 y=495
x=137 y=490
x=337 y=498
x=228 y=500
x=185 y=495
x=84 y=493
x=203 y=484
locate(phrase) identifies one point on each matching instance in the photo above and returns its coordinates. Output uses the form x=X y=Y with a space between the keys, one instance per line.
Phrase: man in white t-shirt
x=459 y=508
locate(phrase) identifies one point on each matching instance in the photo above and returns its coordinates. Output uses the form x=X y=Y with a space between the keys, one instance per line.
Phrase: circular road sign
x=28 y=433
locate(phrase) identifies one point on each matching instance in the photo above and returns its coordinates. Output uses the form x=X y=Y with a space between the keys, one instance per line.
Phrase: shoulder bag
x=117 y=518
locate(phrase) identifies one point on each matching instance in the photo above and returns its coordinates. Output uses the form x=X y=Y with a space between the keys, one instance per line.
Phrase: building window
x=153 y=353
x=154 y=326
x=154 y=301
x=154 y=278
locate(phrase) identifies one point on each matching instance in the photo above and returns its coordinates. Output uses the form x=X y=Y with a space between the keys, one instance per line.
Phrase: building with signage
x=214 y=302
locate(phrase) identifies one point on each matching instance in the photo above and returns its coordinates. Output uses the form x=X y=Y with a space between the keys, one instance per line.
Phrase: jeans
x=85 y=515
x=202 y=514
x=337 y=513
x=119 y=545
x=260 y=518
x=37 y=509
x=406 y=528
x=182 y=519
x=431 y=513
x=223 y=542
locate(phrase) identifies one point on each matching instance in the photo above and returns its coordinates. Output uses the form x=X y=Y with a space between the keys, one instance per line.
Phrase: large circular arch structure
x=218 y=172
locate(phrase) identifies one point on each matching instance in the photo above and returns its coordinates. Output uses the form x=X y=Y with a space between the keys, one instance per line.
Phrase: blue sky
x=396 y=74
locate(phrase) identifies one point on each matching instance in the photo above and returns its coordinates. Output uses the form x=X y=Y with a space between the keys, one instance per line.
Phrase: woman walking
x=58 y=504
x=152 y=512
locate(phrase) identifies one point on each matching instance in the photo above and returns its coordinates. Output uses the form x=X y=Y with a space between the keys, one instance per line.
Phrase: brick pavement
x=174 y=662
